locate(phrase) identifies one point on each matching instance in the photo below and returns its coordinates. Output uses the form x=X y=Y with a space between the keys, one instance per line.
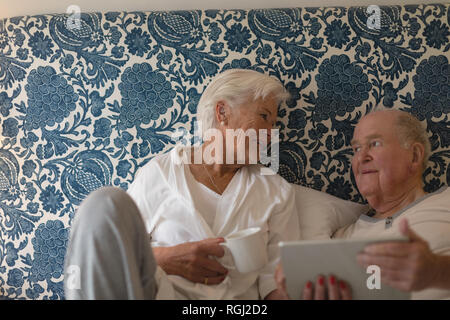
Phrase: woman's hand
x=332 y=290
x=281 y=283
x=191 y=260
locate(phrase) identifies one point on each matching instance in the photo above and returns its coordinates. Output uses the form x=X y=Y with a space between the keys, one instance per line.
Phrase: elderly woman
x=190 y=199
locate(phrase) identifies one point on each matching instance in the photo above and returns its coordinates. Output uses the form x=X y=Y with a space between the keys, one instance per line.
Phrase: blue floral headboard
x=86 y=107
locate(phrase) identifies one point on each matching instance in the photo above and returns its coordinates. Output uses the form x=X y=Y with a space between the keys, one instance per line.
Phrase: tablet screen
x=303 y=261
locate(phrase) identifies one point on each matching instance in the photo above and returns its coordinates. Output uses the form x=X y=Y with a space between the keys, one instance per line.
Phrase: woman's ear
x=221 y=112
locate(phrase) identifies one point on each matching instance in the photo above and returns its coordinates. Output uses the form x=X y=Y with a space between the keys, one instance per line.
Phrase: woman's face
x=244 y=126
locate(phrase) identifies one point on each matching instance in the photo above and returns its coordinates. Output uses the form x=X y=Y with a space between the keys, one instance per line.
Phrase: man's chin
x=366 y=191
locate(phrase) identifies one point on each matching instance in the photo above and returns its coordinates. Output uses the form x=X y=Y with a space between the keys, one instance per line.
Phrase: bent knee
x=109 y=204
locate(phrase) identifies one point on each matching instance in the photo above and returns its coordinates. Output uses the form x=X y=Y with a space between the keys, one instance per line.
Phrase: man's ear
x=418 y=153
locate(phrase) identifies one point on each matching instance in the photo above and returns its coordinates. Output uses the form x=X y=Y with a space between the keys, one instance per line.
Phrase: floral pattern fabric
x=86 y=107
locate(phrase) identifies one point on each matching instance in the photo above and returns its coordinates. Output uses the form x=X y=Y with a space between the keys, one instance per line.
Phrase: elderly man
x=391 y=151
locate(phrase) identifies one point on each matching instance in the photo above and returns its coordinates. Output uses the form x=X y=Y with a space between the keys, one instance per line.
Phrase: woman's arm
x=282 y=226
x=334 y=289
x=191 y=260
x=277 y=294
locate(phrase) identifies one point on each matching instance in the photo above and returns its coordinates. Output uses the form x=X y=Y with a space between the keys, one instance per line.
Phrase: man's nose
x=364 y=155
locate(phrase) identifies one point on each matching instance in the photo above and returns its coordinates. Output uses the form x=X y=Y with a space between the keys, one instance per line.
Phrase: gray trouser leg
x=109 y=254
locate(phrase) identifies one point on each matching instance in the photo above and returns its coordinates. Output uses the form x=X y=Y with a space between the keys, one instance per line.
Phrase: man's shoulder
x=441 y=192
x=438 y=201
x=435 y=208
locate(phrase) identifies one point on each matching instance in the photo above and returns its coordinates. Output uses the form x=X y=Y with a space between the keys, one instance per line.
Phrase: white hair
x=410 y=131
x=237 y=86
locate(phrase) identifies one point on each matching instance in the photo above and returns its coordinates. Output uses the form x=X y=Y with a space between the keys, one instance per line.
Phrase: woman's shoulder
x=268 y=176
x=161 y=160
x=155 y=168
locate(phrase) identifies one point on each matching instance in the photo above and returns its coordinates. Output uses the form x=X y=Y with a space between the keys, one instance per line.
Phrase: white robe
x=250 y=200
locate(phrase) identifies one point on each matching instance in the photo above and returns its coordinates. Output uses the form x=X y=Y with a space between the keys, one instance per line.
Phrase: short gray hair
x=236 y=86
x=412 y=131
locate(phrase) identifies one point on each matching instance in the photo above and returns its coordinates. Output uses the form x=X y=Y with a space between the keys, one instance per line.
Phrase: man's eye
x=264 y=116
x=376 y=143
x=356 y=149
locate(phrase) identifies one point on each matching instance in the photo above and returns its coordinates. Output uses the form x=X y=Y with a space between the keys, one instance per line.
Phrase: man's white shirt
x=428 y=216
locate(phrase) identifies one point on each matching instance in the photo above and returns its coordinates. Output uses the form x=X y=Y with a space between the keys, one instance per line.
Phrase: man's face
x=381 y=164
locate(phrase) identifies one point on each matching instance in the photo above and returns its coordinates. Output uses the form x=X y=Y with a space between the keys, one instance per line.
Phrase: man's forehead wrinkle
x=365 y=138
x=375 y=124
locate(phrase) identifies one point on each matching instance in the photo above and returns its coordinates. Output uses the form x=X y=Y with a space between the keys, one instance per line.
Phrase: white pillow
x=321 y=214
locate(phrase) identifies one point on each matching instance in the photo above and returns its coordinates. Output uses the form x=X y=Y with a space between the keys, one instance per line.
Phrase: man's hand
x=192 y=260
x=332 y=290
x=407 y=266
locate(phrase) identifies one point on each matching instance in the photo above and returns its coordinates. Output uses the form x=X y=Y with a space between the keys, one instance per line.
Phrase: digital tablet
x=303 y=261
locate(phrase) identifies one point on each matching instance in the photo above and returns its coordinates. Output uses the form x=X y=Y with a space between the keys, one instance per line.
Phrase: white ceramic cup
x=248 y=249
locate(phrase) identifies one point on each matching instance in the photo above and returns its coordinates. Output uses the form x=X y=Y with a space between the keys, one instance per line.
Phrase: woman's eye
x=264 y=116
x=356 y=149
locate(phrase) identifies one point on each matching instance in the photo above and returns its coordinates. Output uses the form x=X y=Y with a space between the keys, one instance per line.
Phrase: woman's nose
x=269 y=135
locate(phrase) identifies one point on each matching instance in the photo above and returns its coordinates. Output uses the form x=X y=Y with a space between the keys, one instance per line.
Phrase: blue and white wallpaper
x=85 y=107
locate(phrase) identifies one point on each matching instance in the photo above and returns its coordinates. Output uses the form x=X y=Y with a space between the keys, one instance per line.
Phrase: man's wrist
x=441 y=270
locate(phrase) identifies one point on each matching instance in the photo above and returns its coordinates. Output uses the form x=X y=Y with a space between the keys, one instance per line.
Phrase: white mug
x=248 y=249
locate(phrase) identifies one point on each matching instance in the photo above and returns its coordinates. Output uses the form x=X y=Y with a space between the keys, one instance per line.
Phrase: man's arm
x=409 y=266
x=442 y=279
